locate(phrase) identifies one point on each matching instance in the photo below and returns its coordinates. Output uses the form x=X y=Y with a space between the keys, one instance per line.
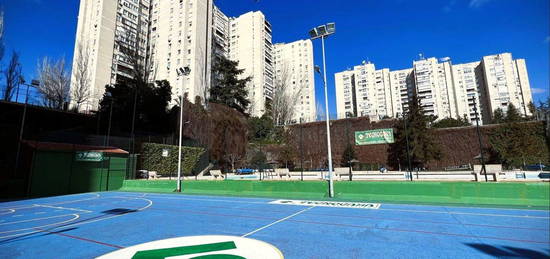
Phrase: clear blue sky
x=390 y=33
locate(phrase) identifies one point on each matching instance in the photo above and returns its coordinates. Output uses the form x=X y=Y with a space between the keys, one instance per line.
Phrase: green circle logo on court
x=200 y=247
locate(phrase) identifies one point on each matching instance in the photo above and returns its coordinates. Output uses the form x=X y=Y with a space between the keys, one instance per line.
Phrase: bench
x=217 y=174
x=152 y=175
x=282 y=172
x=339 y=171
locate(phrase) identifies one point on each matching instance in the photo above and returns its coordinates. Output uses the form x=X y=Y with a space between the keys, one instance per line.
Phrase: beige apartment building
x=250 y=44
x=103 y=26
x=445 y=90
x=294 y=69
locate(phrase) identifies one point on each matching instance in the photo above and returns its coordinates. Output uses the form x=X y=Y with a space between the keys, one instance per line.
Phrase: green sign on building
x=378 y=136
x=88 y=156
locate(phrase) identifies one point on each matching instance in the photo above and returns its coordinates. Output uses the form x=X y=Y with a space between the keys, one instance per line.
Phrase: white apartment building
x=372 y=91
x=220 y=33
x=402 y=87
x=469 y=89
x=433 y=82
x=103 y=25
x=181 y=36
x=346 y=106
x=506 y=81
x=294 y=70
x=250 y=45
x=445 y=90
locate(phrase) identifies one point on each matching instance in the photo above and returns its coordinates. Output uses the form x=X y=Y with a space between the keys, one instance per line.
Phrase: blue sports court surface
x=94 y=224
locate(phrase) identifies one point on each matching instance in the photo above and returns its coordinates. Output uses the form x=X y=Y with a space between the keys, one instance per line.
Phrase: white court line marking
x=7 y=212
x=86 y=222
x=63 y=208
x=76 y=216
x=38 y=213
x=404 y=210
x=278 y=221
x=76 y=224
x=55 y=203
x=27 y=220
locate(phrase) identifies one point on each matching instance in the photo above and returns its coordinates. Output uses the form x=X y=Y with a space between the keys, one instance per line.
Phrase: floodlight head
x=331 y=28
x=322 y=30
x=313 y=33
x=317 y=69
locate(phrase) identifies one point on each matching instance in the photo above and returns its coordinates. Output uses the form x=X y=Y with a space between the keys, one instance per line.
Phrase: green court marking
x=185 y=250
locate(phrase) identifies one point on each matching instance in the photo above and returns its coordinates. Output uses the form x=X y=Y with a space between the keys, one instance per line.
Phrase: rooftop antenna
x=421 y=56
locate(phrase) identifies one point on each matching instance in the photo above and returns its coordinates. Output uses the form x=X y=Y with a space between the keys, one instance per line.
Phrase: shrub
x=153 y=160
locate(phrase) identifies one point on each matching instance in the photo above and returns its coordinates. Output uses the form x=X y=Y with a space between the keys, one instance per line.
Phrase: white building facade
x=250 y=44
x=294 y=71
x=103 y=26
x=445 y=90
x=181 y=36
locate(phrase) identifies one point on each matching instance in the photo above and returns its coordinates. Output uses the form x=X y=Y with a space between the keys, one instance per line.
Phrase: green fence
x=517 y=195
x=57 y=173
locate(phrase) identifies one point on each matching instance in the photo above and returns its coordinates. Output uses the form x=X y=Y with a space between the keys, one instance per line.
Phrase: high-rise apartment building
x=220 y=33
x=294 y=72
x=444 y=90
x=250 y=44
x=107 y=32
x=506 y=81
x=402 y=88
x=346 y=101
x=365 y=91
x=181 y=36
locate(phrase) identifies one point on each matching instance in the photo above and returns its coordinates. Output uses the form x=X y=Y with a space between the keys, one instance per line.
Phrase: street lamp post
x=108 y=136
x=182 y=72
x=322 y=32
x=34 y=83
x=483 y=169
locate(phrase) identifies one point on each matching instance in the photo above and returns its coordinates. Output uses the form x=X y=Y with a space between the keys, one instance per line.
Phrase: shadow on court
x=508 y=251
x=51 y=230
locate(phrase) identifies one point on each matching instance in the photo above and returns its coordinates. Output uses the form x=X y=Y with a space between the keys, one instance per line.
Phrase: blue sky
x=390 y=33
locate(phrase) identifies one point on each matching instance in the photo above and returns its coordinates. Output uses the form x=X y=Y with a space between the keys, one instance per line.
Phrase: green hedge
x=153 y=160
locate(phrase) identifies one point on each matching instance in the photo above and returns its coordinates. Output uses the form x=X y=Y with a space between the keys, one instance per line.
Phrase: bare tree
x=80 y=89
x=232 y=158
x=12 y=74
x=286 y=94
x=54 y=83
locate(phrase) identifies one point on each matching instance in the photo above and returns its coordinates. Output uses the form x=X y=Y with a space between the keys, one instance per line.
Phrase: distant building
x=102 y=27
x=445 y=90
x=250 y=44
x=294 y=69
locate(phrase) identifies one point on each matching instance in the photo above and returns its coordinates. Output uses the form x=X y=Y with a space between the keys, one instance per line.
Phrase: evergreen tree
x=348 y=155
x=513 y=114
x=422 y=146
x=498 y=116
x=227 y=88
x=152 y=101
x=451 y=123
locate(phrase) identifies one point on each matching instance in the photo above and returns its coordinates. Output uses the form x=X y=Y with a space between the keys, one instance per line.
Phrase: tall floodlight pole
x=34 y=83
x=182 y=73
x=322 y=32
x=483 y=169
